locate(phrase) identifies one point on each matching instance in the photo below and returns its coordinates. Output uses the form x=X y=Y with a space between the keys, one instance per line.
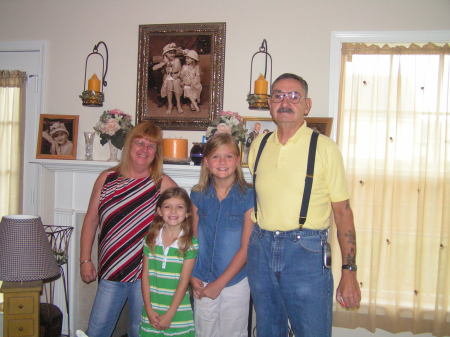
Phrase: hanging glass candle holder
x=94 y=96
x=258 y=97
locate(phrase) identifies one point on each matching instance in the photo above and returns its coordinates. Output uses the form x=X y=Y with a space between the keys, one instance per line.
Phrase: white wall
x=297 y=32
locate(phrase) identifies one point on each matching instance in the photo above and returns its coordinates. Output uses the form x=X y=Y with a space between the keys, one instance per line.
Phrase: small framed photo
x=321 y=124
x=180 y=74
x=254 y=127
x=57 y=137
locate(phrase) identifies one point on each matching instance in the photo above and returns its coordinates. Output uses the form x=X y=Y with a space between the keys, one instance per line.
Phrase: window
x=394 y=132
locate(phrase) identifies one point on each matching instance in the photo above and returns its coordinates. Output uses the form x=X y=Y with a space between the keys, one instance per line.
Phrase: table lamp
x=26 y=259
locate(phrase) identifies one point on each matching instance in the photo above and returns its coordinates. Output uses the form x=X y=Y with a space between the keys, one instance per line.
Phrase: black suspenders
x=308 y=179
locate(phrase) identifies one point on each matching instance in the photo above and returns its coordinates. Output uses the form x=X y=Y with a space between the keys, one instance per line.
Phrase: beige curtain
x=12 y=95
x=394 y=133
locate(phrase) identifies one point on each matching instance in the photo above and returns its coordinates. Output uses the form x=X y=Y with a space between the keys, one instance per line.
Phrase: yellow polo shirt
x=281 y=178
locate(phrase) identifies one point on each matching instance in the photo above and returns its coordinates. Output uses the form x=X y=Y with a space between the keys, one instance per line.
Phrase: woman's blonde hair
x=152 y=133
x=185 y=241
x=212 y=145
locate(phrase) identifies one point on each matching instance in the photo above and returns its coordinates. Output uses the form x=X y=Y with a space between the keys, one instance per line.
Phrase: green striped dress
x=164 y=273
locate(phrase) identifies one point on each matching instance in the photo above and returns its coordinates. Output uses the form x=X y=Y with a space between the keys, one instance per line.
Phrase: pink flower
x=116 y=112
x=223 y=128
x=111 y=127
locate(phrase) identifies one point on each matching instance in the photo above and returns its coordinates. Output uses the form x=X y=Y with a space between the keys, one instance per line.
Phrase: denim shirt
x=220 y=228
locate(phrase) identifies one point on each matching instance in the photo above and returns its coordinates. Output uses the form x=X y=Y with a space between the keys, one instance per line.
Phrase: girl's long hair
x=206 y=178
x=184 y=241
x=152 y=133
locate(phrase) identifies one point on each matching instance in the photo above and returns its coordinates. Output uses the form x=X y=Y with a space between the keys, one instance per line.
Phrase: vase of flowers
x=227 y=122
x=113 y=127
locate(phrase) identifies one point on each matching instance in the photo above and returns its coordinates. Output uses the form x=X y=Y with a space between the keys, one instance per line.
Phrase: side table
x=21 y=308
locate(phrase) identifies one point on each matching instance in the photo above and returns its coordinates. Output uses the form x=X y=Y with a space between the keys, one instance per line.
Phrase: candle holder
x=257 y=100
x=196 y=153
x=94 y=98
x=89 y=144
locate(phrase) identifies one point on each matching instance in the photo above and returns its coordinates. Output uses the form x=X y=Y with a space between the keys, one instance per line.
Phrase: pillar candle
x=175 y=149
x=94 y=83
x=261 y=86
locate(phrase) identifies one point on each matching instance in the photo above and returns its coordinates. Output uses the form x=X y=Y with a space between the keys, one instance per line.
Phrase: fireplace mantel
x=61 y=195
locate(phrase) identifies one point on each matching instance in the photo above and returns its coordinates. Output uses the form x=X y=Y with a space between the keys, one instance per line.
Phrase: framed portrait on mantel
x=57 y=137
x=180 y=74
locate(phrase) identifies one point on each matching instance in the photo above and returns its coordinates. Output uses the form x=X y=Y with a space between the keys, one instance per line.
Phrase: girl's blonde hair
x=152 y=133
x=185 y=241
x=206 y=178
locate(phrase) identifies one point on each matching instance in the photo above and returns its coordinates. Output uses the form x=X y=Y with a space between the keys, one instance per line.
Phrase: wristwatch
x=351 y=267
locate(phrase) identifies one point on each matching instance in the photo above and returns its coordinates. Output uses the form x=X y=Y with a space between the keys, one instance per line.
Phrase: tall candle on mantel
x=94 y=83
x=261 y=86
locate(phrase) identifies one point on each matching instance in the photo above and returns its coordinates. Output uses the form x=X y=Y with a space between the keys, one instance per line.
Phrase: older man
x=289 y=277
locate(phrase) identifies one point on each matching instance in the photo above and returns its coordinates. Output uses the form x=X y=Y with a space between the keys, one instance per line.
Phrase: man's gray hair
x=291 y=76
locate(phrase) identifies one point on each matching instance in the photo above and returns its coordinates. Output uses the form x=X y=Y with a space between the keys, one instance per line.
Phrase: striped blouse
x=127 y=207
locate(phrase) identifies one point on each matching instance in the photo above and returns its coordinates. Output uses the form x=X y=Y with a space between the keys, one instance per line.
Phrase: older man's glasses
x=291 y=96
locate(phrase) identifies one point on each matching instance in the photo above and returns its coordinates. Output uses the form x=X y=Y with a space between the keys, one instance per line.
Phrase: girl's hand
x=165 y=320
x=212 y=290
x=154 y=318
x=197 y=286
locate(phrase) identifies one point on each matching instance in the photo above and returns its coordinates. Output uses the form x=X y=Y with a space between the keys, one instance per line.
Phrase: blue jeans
x=109 y=302
x=288 y=282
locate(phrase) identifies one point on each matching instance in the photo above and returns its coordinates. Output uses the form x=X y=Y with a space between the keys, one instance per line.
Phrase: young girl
x=190 y=79
x=58 y=137
x=169 y=256
x=223 y=203
x=171 y=82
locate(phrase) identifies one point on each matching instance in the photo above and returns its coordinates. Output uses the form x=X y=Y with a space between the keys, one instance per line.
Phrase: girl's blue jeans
x=288 y=282
x=109 y=302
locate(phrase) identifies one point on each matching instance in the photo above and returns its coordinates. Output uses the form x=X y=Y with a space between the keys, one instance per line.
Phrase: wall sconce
x=94 y=96
x=258 y=100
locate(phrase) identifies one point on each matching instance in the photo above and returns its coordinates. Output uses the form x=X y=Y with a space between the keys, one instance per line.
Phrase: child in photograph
x=58 y=137
x=169 y=256
x=171 y=82
x=190 y=79
x=222 y=207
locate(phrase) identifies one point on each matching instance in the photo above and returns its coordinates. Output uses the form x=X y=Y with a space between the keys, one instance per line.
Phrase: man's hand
x=348 y=293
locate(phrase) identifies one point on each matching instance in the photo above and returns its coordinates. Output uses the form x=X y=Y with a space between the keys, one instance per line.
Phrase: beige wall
x=297 y=32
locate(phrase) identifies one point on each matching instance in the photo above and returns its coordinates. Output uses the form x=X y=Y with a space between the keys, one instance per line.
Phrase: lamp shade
x=25 y=252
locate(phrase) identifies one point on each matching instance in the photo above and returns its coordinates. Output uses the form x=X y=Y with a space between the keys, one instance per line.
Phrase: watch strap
x=351 y=267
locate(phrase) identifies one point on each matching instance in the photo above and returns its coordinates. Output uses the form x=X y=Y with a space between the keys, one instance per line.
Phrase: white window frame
x=31 y=172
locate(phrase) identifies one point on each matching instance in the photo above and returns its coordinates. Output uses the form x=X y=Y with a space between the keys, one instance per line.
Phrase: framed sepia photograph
x=254 y=126
x=180 y=74
x=57 y=137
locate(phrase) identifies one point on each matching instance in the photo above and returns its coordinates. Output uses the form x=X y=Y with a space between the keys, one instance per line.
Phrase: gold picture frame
x=321 y=124
x=254 y=126
x=57 y=137
x=153 y=92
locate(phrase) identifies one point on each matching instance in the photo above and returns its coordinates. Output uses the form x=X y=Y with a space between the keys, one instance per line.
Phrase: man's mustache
x=284 y=109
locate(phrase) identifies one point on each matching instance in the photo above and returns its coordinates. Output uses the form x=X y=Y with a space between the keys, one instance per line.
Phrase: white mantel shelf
x=174 y=171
